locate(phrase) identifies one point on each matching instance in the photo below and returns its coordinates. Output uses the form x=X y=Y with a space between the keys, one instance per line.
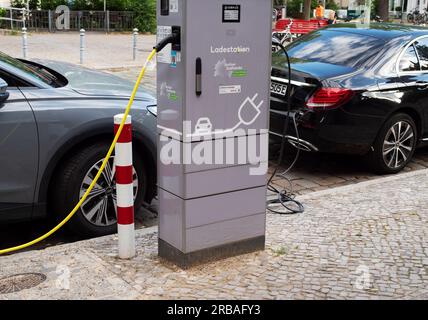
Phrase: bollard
x=82 y=44
x=50 y=20
x=134 y=44
x=24 y=42
x=124 y=189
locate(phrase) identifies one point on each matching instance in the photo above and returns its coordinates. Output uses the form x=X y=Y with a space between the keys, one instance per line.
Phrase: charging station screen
x=231 y=13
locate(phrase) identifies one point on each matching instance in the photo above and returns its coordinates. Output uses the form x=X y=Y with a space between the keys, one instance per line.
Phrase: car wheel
x=98 y=214
x=395 y=145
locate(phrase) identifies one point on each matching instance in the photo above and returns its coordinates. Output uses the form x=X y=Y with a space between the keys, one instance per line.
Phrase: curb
x=363 y=184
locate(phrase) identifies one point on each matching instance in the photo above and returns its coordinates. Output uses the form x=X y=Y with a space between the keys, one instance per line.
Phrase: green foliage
x=52 y=4
x=2 y=12
x=144 y=10
x=293 y=7
x=145 y=15
x=375 y=6
x=33 y=4
x=332 y=5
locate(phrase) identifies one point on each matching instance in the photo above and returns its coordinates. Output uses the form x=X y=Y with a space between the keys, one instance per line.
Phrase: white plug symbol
x=251 y=102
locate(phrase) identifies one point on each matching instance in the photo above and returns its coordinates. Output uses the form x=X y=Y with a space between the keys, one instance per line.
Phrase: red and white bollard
x=124 y=189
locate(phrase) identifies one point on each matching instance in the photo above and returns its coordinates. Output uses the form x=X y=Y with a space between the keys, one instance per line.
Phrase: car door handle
x=198 y=84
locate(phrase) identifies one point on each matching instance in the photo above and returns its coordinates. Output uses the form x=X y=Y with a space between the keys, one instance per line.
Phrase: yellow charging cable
x=109 y=153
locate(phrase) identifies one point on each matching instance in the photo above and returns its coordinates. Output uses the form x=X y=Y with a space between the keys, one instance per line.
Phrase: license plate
x=278 y=88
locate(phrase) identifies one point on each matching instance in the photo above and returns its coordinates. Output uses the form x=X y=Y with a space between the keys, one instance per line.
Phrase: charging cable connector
x=174 y=39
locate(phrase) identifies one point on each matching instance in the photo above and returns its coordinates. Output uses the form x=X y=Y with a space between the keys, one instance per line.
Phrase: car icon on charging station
x=203 y=126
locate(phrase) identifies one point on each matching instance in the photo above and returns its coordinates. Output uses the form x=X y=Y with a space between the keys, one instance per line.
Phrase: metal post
x=23 y=17
x=284 y=12
x=82 y=44
x=124 y=188
x=50 y=20
x=24 y=42
x=108 y=21
x=11 y=19
x=134 y=45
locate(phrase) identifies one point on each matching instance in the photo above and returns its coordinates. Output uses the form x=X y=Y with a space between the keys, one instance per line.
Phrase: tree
x=145 y=14
x=383 y=10
x=332 y=5
x=307 y=4
x=23 y=4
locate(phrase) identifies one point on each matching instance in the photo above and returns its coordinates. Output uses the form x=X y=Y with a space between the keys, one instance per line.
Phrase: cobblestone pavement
x=367 y=241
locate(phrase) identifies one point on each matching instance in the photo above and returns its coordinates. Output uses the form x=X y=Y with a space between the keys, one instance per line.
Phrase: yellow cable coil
x=110 y=151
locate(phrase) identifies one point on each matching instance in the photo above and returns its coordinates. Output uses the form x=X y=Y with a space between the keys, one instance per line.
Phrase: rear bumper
x=333 y=131
x=297 y=142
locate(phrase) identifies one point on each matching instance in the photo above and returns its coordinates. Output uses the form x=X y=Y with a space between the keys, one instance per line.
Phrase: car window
x=11 y=80
x=422 y=49
x=30 y=70
x=409 y=60
x=334 y=47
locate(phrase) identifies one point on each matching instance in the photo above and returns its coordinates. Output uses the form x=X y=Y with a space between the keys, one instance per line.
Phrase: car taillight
x=329 y=98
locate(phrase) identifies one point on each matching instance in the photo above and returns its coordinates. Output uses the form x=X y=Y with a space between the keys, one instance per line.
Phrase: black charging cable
x=173 y=38
x=285 y=198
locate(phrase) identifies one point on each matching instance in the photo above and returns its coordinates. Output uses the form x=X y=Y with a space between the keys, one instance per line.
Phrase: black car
x=355 y=90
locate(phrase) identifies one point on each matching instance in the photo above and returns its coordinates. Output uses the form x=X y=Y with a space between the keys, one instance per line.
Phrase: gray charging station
x=213 y=92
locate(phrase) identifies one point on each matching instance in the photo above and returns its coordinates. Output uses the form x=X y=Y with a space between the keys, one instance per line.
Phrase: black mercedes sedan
x=354 y=90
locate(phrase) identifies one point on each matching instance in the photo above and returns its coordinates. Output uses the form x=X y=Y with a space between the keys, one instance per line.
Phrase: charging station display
x=231 y=13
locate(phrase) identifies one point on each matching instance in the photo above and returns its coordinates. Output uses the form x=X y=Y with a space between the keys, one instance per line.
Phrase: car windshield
x=34 y=71
x=334 y=47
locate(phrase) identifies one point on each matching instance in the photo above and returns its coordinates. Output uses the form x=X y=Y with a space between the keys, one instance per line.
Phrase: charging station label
x=165 y=55
x=173 y=6
x=232 y=89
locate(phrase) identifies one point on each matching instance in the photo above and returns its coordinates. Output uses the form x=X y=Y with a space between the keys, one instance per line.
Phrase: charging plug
x=174 y=39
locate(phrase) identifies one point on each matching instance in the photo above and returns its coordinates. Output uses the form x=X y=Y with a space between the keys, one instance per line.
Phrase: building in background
x=342 y=4
x=4 y=3
x=410 y=5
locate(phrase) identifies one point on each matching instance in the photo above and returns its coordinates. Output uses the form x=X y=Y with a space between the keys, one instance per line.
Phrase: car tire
x=394 y=146
x=71 y=181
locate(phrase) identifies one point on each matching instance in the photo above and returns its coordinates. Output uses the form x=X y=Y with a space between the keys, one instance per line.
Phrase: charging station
x=213 y=93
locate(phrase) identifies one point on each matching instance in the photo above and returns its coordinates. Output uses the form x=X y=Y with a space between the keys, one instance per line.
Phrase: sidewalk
x=102 y=51
x=368 y=240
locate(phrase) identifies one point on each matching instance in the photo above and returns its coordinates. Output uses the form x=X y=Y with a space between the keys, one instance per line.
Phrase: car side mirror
x=275 y=41
x=3 y=91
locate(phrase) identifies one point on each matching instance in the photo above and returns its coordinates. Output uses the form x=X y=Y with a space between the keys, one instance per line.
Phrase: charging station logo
x=224 y=69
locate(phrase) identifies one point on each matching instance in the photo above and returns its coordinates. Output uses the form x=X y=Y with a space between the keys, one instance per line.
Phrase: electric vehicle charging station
x=213 y=93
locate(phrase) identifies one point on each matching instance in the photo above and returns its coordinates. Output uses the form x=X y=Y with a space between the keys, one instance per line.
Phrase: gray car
x=56 y=124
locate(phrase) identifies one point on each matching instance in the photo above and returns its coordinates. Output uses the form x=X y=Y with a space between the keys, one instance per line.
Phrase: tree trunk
x=307 y=9
x=383 y=10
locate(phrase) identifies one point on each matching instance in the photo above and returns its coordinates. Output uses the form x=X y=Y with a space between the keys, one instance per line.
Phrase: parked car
x=353 y=90
x=56 y=124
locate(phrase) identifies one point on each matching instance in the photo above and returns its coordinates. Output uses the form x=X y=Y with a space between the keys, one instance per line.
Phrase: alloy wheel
x=398 y=144
x=100 y=207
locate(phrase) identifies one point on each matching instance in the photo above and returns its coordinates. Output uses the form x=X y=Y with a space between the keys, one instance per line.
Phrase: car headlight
x=153 y=110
